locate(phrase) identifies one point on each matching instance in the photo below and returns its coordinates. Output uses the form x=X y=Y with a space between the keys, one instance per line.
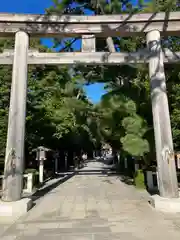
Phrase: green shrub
x=139 y=180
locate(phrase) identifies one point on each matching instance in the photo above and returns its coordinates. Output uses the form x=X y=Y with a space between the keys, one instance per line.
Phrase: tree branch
x=69 y=45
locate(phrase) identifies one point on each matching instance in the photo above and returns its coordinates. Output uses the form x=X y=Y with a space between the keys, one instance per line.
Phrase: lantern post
x=41 y=153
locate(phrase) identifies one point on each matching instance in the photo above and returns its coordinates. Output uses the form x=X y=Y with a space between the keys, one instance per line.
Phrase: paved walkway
x=94 y=207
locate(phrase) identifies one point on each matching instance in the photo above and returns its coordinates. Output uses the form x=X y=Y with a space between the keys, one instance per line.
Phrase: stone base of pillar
x=168 y=205
x=11 y=211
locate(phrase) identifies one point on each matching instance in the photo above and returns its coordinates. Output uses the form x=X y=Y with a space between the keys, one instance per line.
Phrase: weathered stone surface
x=13 y=210
x=95 y=207
x=169 y=205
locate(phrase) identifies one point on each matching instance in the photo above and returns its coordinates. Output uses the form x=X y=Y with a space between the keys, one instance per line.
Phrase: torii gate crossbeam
x=89 y=58
x=101 y=26
x=89 y=27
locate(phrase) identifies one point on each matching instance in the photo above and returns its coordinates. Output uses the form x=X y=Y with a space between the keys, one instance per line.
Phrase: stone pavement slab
x=95 y=207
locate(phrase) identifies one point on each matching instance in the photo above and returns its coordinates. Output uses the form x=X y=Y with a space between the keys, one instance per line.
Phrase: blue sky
x=94 y=91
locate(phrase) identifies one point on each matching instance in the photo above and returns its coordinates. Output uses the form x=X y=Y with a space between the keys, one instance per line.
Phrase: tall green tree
x=57 y=107
x=133 y=82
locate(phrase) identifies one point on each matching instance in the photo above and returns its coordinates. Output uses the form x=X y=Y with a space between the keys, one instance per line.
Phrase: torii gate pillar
x=14 y=159
x=167 y=177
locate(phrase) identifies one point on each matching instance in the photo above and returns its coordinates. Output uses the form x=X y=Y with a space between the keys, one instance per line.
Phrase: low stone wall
x=152 y=180
x=27 y=182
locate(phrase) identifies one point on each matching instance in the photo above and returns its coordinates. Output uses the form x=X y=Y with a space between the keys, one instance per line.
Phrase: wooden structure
x=151 y=26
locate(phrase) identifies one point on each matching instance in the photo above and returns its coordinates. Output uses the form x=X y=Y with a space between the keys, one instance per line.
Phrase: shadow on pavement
x=126 y=179
x=41 y=192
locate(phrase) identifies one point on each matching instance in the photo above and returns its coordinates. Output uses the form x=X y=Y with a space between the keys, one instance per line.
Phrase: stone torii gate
x=151 y=26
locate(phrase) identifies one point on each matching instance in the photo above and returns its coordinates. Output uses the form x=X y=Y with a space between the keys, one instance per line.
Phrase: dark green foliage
x=124 y=114
x=59 y=115
x=58 y=111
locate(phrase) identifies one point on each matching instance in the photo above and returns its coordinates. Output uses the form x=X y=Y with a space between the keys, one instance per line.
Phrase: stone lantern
x=41 y=157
